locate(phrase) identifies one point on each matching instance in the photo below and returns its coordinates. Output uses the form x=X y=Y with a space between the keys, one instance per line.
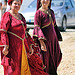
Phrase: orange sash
x=24 y=63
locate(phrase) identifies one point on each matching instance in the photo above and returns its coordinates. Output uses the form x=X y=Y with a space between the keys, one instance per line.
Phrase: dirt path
x=67 y=65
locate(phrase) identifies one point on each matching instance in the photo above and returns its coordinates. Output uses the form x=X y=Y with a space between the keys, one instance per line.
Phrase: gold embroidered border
x=4 y=45
x=42 y=38
x=16 y=35
x=3 y=30
x=19 y=18
x=31 y=44
x=35 y=46
x=46 y=25
x=37 y=25
x=45 y=11
x=43 y=26
x=35 y=35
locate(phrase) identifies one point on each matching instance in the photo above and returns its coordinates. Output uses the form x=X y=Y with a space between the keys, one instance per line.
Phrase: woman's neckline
x=15 y=16
x=45 y=11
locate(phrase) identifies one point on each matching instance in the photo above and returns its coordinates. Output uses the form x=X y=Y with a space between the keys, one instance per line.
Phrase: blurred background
x=65 y=18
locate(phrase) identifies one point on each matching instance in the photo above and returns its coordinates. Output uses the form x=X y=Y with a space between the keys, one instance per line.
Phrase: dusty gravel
x=67 y=65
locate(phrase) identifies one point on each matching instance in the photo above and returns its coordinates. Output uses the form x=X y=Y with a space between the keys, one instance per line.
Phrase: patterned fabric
x=10 y=24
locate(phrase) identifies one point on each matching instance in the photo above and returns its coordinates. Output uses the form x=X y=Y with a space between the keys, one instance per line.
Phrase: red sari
x=44 y=29
x=13 y=35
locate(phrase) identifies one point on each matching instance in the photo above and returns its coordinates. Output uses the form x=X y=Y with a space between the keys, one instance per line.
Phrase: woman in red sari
x=12 y=31
x=44 y=22
x=17 y=44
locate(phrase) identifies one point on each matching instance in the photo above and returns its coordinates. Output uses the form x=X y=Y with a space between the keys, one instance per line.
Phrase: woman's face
x=45 y=3
x=15 y=6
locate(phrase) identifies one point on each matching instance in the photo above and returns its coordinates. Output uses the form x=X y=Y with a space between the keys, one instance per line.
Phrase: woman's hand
x=31 y=50
x=43 y=46
x=5 y=50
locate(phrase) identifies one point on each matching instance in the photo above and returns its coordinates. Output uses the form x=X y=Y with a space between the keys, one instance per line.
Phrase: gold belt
x=15 y=35
x=12 y=34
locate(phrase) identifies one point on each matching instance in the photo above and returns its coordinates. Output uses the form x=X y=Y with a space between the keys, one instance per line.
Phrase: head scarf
x=9 y=1
x=39 y=3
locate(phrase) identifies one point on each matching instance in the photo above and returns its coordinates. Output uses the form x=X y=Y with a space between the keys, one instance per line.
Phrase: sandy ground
x=67 y=65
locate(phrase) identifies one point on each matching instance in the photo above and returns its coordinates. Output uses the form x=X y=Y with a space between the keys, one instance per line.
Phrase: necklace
x=17 y=16
x=46 y=11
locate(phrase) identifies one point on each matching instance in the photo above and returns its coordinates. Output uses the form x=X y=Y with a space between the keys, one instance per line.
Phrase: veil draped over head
x=9 y=1
x=39 y=3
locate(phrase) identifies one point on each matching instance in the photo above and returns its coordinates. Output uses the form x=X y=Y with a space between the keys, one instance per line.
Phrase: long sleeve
x=4 y=26
x=37 y=32
x=59 y=36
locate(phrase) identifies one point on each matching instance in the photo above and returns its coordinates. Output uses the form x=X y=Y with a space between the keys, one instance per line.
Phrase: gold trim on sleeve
x=35 y=35
x=4 y=45
x=3 y=30
x=42 y=38
x=37 y=25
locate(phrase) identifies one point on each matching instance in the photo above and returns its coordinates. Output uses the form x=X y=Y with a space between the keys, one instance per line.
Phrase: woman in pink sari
x=44 y=22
